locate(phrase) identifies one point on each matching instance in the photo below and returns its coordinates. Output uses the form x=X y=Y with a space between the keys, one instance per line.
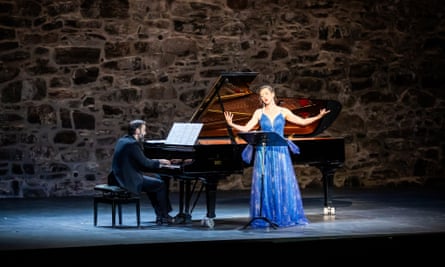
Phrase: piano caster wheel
x=328 y=211
x=209 y=222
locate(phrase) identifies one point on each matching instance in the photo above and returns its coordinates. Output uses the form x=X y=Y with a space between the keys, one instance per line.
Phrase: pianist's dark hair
x=133 y=125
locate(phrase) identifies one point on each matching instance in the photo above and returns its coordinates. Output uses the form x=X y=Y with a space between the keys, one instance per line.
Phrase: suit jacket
x=129 y=164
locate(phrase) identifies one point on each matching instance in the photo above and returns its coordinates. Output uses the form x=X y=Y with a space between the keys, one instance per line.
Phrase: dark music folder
x=265 y=138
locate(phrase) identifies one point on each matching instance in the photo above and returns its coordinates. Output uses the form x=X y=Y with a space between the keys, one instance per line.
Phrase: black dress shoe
x=165 y=220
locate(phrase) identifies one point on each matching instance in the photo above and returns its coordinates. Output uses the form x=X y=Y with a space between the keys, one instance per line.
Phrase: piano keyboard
x=170 y=167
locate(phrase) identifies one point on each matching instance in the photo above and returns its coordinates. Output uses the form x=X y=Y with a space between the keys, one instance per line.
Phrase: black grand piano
x=217 y=153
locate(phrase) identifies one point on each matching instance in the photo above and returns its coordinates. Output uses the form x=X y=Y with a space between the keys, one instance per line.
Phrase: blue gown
x=282 y=202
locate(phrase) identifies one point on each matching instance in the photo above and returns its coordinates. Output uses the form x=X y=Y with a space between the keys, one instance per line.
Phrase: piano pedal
x=328 y=211
x=208 y=222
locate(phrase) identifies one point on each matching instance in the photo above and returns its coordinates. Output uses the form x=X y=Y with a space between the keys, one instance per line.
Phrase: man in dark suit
x=129 y=165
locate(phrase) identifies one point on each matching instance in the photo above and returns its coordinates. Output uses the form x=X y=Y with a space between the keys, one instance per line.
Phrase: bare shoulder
x=257 y=113
x=285 y=111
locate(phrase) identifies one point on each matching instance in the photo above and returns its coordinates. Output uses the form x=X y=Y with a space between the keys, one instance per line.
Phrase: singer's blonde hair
x=266 y=87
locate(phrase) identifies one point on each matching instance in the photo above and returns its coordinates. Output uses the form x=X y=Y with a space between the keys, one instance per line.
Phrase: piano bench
x=116 y=197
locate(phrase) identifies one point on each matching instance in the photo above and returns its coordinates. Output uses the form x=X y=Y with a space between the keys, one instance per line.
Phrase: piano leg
x=211 y=198
x=184 y=215
x=186 y=192
x=328 y=172
x=210 y=187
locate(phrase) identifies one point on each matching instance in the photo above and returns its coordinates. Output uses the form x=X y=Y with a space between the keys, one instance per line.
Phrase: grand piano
x=217 y=153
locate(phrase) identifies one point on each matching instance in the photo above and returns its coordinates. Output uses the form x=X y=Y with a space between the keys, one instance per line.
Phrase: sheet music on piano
x=184 y=133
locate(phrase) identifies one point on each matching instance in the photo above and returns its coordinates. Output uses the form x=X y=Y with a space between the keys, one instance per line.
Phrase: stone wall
x=73 y=73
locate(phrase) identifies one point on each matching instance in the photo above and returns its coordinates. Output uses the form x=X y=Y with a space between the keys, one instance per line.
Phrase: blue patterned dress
x=282 y=202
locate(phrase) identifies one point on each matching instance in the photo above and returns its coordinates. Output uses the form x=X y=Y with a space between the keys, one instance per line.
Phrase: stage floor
x=378 y=220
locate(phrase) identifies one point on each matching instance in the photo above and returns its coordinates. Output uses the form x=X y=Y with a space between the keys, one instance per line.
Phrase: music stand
x=263 y=139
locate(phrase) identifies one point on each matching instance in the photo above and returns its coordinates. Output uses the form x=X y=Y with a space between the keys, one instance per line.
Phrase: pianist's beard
x=141 y=137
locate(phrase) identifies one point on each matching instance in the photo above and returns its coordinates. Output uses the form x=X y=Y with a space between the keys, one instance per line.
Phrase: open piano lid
x=231 y=92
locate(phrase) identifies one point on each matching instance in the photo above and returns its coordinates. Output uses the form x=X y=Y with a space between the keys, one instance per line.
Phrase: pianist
x=129 y=165
x=275 y=195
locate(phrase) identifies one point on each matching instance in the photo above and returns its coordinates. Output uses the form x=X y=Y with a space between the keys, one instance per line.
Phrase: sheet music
x=183 y=133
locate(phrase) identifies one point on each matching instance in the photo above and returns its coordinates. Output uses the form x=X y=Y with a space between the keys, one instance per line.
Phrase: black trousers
x=157 y=189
